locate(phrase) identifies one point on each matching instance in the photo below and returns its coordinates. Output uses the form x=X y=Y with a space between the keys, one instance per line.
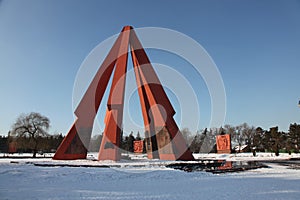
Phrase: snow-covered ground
x=19 y=179
x=247 y=156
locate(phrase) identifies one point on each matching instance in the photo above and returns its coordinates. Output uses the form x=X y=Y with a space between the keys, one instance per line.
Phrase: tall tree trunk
x=35 y=148
x=34 y=153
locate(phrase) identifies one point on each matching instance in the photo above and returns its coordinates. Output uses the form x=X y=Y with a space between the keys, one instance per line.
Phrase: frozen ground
x=19 y=180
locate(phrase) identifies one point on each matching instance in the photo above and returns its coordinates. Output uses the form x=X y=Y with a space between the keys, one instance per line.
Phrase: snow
x=247 y=156
x=143 y=179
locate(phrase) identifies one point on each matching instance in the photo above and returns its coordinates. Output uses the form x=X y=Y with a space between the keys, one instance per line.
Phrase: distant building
x=242 y=148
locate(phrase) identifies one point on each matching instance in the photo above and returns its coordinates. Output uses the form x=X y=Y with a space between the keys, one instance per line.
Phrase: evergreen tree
x=294 y=137
x=198 y=141
x=131 y=139
x=275 y=140
x=138 y=136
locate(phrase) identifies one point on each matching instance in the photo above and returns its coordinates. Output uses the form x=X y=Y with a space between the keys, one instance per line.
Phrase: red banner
x=223 y=143
x=138 y=146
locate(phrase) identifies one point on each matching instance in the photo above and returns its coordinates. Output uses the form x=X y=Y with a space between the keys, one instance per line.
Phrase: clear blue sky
x=255 y=44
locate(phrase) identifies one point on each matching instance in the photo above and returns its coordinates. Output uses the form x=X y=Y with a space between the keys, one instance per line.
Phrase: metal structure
x=163 y=137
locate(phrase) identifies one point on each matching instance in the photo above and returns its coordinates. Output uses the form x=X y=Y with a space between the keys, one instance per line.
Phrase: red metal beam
x=109 y=149
x=171 y=146
x=87 y=108
x=165 y=141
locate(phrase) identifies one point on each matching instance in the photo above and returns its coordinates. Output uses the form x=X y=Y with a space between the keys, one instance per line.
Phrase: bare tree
x=230 y=130
x=33 y=126
x=198 y=141
x=209 y=141
x=187 y=135
x=248 y=133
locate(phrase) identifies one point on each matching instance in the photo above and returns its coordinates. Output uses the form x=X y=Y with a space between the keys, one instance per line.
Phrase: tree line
x=256 y=138
x=126 y=143
x=30 y=134
x=23 y=144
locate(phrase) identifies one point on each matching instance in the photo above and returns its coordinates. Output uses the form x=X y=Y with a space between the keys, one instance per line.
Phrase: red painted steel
x=163 y=138
x=87 y=109
x=110 y=145
x=159 y=111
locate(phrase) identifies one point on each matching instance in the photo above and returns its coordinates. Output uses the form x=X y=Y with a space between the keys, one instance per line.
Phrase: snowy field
x=20 y=179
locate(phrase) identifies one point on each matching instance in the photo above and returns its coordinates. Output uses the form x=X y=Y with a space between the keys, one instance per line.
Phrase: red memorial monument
x=138 y=146
x=224 y=143
x=163 y=137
